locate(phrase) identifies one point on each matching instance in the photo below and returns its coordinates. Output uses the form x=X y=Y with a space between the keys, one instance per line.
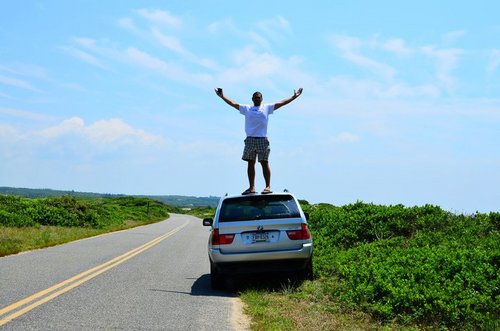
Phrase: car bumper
x=255 y=267
x=261 y=261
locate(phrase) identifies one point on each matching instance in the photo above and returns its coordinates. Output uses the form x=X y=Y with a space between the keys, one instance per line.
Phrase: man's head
x=257 y=98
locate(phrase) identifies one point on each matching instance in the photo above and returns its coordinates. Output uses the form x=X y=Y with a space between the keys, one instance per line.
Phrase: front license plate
x=260 y=237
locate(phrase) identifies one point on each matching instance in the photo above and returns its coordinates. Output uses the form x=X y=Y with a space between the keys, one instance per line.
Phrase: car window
x=258 y=207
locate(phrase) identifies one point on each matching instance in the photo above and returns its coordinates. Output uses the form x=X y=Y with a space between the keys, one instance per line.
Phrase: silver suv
x=259 y=233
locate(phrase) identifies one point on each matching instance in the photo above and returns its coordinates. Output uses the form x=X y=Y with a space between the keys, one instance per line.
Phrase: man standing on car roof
x=256 y=142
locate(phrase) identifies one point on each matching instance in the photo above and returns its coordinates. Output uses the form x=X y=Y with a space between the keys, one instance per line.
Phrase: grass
x=306 y=307
x=14 y=240
x=202 y=212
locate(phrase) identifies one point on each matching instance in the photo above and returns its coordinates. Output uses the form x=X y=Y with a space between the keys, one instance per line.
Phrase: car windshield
x=258 y=207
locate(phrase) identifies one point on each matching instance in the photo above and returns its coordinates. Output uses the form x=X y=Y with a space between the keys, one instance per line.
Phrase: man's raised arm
x=230 y=102
x=296 y=94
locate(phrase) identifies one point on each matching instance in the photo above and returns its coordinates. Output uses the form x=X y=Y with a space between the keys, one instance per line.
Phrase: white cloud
x=127 y=23
x=84 y=56
x=73 y=125
x=452 y=36
x=134 y=56
x=259 y=40
x=344 y=138
x=275 y=27
x=86 y=42
x=161 y=17
x=146 y=60
x=23 y=69
x=102 y=132
x=224 y=25
x=363 y=88
x=169 y=42
x=252 y=65
x=115 y=130
x=494 y=62
x=19 y=83
x=175 y=45
x=23 y=114
x=260 y=33
x=397 y=46
x=8 y=133
x=446 y=61
x=349 y=48
x=403 y=90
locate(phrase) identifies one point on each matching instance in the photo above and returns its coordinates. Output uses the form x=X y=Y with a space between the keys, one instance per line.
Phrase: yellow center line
x=75 y=281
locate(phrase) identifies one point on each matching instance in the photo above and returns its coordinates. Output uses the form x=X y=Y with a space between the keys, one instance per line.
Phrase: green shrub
x=417 y=265
x=12 y=211
x=70 y=211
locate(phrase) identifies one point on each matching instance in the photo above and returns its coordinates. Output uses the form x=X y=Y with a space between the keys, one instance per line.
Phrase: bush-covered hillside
x=27 y=223
x=78 y=212
x=418 y=265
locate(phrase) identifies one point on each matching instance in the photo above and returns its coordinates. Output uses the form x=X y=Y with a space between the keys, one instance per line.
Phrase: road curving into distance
x=154 y=277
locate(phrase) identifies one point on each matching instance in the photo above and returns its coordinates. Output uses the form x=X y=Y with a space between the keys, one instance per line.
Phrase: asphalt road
x=154 y=277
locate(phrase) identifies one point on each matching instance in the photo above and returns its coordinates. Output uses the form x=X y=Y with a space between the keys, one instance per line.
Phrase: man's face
x=257 y=98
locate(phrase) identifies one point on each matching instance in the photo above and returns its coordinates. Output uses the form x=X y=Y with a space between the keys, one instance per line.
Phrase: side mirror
x=307 y=216
x=208 y=221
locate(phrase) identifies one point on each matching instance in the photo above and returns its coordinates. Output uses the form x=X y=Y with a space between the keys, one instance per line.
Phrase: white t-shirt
x=256 y=119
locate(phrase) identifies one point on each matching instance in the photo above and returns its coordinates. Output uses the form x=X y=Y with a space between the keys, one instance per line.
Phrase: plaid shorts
x=256 y=146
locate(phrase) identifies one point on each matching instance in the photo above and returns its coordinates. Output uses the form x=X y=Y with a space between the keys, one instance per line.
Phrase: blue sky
x=401 y=102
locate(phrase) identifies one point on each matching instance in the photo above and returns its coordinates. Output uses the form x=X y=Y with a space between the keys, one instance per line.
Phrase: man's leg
x=266 y=171
x=251 y=175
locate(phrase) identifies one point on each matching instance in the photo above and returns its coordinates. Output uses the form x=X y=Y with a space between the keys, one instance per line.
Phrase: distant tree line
x=172 y=200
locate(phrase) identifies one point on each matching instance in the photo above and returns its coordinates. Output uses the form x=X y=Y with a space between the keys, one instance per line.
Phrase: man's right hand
x=219 y=92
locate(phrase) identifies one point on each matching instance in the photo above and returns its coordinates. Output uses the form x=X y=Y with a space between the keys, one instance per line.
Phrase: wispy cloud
x=452 y=36
x=169 y=42
x=350 y=49
x=7 y=133
x=397 y=46
x=172 y=71
x=446 y=62
x=84 y=56
x=344 y=138
x=224 y=25
x=115 y=130
x=275 y=28
x=263 y=33
x=127 y=23
x=19 y=83
x=161 y=17
x=174 y=44
x=23 y=114
x=146 y=60
x=444 y=59
x=25 y=70
x=494 y=61
x=251 y=65
x=102 y=132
